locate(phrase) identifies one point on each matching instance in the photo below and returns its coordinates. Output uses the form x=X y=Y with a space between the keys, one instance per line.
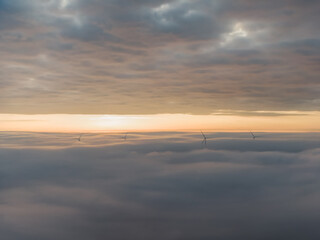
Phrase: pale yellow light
x=293 y=121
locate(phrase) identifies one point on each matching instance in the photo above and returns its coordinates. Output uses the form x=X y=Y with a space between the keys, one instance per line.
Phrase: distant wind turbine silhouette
x=204 y=141
x=79 y=138
x=253 y=136
x=125 y=137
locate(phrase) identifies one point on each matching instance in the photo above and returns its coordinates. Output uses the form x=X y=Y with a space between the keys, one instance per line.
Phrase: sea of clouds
x=164 y=185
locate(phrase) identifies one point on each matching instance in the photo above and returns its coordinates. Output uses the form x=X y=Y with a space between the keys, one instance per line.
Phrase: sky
x=104 y=105
x=162 y=186
x=150 y=57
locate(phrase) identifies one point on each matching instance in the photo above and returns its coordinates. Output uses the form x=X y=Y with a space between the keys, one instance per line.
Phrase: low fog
x=159 y=186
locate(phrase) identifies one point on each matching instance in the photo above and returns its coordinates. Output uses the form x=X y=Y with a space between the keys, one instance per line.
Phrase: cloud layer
x=159 y=186
x=173 y=56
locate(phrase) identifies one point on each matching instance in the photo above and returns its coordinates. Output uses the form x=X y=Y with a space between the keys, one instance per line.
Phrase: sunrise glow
x=285 y=121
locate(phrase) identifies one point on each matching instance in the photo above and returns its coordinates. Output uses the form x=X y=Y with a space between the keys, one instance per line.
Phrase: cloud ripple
x=159 y=186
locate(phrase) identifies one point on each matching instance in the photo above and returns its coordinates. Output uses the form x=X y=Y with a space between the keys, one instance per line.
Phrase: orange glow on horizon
x=306 y=121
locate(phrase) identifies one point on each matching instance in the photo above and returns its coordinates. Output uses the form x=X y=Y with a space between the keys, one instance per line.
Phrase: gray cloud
x=136 y=57
x=159 y=186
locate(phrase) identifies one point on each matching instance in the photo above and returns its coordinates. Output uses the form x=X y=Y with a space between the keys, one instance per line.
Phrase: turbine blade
x=203 y=134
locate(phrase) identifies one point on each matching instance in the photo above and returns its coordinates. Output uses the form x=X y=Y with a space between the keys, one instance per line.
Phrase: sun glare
x=160 y=122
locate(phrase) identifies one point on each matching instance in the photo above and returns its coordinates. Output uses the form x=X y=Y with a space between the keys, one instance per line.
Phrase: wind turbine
x=253 y=136
x=125 y=137
x=79 y=138
x=204 y=141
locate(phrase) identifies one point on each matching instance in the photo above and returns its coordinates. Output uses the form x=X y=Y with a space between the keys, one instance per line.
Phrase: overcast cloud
x=177 y=56
x=159 y=186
